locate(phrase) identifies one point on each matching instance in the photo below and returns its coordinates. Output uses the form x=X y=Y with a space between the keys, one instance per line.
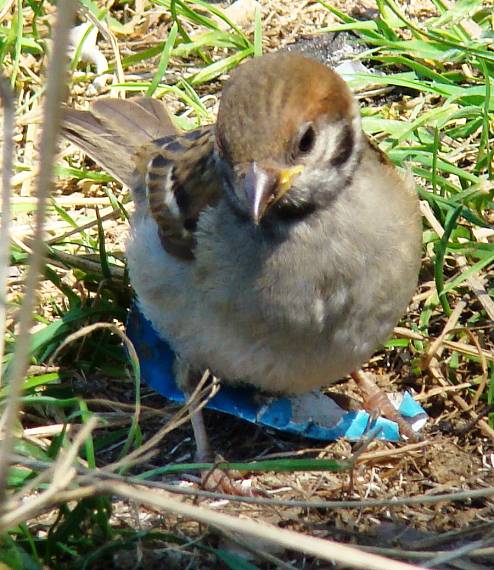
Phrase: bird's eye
x=307 y=140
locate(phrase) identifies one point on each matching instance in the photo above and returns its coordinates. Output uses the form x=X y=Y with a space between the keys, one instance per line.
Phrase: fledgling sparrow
x=277 y=247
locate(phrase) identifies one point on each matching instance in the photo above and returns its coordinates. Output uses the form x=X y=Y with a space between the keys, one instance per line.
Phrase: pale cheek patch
x=326 y=143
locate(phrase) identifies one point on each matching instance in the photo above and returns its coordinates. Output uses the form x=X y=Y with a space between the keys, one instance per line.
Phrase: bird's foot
x=377 y=401
x=219 y=480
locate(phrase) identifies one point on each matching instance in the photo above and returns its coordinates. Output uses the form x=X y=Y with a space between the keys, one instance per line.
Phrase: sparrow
x=278 y=247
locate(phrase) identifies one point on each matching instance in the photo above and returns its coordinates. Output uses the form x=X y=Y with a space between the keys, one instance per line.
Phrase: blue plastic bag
x=312 y=415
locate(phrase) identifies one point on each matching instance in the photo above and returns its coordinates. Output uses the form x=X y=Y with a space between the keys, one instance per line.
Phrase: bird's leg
x=214 y=479
x=187 y=380
x=377 y=400
x=203 y=447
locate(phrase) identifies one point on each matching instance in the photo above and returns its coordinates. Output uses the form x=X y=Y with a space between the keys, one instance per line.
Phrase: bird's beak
x=265 y=186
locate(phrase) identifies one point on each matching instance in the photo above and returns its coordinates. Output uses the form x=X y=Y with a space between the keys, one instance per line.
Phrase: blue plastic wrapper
x=311 y=415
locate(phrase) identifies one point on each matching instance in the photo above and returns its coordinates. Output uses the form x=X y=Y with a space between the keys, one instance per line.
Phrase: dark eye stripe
x=345 y=148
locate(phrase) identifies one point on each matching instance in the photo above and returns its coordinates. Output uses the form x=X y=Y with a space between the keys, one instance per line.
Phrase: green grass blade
x=164 y=59
x=440 y=255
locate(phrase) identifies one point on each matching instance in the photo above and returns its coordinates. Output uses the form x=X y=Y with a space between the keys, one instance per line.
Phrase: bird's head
x=288 y=137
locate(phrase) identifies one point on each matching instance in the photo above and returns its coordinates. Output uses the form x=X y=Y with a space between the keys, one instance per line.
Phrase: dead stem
x=55 y=92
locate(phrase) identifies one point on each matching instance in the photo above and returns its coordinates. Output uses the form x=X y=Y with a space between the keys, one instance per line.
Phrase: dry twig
x=52 y=117
x=62 y=472
x=7 y=98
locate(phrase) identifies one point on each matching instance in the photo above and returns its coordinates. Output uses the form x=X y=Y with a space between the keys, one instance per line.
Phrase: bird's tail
x=113 y=130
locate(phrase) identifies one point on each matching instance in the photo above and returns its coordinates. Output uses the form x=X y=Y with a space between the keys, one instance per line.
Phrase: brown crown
x=267 y=99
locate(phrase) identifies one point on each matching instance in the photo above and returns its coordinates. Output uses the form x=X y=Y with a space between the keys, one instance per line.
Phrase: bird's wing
x=170 y=174
x=181 y=181
x=113 y=129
